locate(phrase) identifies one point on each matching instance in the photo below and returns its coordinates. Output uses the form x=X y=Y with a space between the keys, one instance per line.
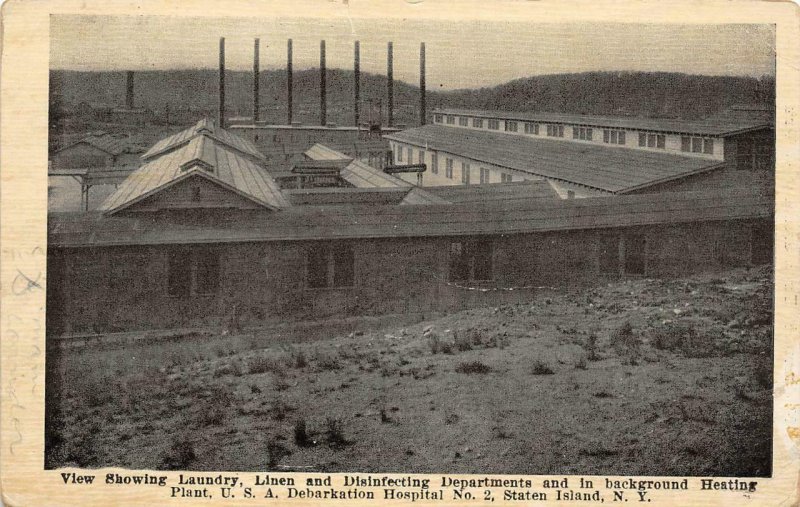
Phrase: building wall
x=125 y=288
x=672 y=141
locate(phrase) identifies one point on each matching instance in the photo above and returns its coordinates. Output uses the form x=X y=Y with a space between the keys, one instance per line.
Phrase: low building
x=201 y=231
x=99 y=150
x=590 y=155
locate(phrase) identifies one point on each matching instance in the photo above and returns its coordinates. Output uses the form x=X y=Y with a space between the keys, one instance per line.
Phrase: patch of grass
x=462 y=341
x=581 y=363
x=334 y=434
x=591 y=346
x=541 y=368
x=263 y=364
x=684 y=339
x=471 y=367
x=276 y=451
x=327 y=362
x=280 y=409
x=763 y=372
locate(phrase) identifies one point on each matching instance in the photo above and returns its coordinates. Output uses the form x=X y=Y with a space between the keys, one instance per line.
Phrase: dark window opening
x=470 y=260
x=635 y=250
x=608 y=253
x=193 y=272
x=330 y=266
x=761 y=244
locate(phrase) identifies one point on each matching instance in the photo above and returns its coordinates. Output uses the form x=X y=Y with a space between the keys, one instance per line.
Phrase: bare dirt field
x=645 y=377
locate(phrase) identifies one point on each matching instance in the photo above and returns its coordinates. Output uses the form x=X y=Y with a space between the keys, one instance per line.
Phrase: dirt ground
x=645 y=377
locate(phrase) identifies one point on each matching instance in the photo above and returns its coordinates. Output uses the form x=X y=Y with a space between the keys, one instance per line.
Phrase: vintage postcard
x=399 y=253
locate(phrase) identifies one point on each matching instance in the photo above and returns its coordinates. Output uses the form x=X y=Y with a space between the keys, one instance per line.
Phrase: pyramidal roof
x=203 y=155
x=204 y=127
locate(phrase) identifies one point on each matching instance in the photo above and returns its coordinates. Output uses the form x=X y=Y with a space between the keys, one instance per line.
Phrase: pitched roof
x=108 y=143
x=351 y=222
x=203 y=156
x=713 y=126
x=615 y=170
x=203 y=127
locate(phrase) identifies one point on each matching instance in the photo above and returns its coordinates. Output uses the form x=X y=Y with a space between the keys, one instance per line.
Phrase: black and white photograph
x=351 y=245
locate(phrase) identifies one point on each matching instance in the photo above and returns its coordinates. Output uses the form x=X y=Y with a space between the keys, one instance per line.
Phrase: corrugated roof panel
x=600 y=167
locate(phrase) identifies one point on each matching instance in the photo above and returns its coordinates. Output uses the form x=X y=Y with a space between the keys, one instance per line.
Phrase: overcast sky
x=462 y=55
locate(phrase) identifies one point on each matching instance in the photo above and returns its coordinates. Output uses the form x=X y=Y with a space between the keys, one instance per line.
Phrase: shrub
x=591 y=346
x=472 y=367
x=180 y=455
x=262 y=364
x=328 y=362
x=333 y=432
x=626 y=344
x=280 y=409
x=301 y=437
x=434 y=343
x=542 y=368
x=385 y=417
x=683 y=339
x=581 y=364
x=463 y=341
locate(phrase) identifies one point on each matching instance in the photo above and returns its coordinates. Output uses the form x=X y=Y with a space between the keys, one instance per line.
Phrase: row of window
x=697 y=144
x=448 y=171
x=646 y=140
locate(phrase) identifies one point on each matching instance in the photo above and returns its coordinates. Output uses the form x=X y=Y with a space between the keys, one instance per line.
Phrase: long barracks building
x=203 y=229
x=584 y=156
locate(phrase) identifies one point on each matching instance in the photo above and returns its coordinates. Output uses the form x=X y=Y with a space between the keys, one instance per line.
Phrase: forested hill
x=654 y=94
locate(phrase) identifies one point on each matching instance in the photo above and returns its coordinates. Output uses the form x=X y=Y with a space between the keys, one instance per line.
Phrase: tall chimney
x=390 y=85
x=289 y=82
x=221 y=119
x=129 y=89
x=357 y=80
x=255 y=80
x=323 y=103
x=422 y=112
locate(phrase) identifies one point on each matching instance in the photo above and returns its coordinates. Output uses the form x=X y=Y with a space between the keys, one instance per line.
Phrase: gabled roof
x=614 y=170
x=204 y=127
x=108 y=143
x=205 y=157
x=713 y=126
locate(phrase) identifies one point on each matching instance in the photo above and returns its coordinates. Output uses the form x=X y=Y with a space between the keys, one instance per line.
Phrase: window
x=451 y=119
x=477 y=122
x=494 y=124
x=470 y=260
x=511 y=126
x=505 y=178
x=330 y=265
x=708 y=146
x=399 y=153
x=686 y=143
x=448 y=168
x=555 y=130
x=463 y=121
x=464 y=173
x=582 y=133
x=193 y=272
x=128 y=272
x=410 y=155
x=532 y=128
x=697 y=145
x=421 y=157
x=434 y=163
x=484 y=175
x=437 y=118
x=652 y=140
x=614 y=136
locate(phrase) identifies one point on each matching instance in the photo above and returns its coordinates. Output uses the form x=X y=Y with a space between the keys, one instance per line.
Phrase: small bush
x=463 y=341
x=333 y=432
x=328 y=362
x=280 y=409
x=626 y=344
x=300 y=360
x=591 y=347
x=180 y=455
x=301 y=437
x=542 y=368
x=581 y=364
x=472 y=367
x=434 y=343
x=385 y=419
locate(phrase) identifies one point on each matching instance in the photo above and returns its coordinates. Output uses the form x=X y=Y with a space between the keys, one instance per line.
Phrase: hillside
x=652 y=94
x=593 y=381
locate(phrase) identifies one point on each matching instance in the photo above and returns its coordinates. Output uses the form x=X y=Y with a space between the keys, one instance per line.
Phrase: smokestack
x=221 y=119
x=289 y=82
x=129 y=89
x=255 y=79
x=390 y=84
x=323 y=104
x=422 y=111
x=357 y=79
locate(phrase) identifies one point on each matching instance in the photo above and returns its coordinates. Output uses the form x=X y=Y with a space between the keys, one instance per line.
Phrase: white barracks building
x=583 y=156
